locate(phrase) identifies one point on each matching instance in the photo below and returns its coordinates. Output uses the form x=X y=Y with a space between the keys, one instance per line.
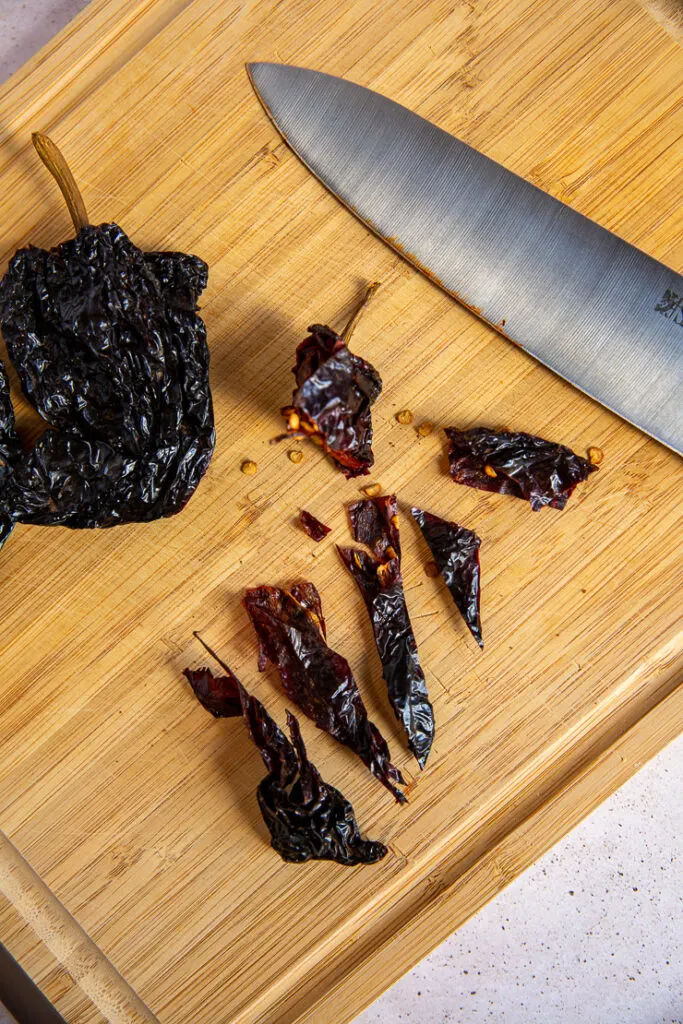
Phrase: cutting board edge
x=387 y=956
x=99 y=41
x=471 y=881
x=359 y=983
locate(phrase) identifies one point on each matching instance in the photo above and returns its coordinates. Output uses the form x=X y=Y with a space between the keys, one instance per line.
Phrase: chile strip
x=541 y=471
x=375 y=522
x=456 y=553
x=111 y=352
x=307 y=818
x=291 y=633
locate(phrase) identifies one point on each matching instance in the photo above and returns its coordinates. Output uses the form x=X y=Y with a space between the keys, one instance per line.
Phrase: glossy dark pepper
x=456 y=553
x=291 y=632
x=307 y=818
x=374 y=522
x=334 y=392
x=111 y=352
x=543 y=472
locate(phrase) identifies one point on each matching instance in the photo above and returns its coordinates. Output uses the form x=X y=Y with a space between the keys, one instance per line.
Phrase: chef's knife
x=596 y=310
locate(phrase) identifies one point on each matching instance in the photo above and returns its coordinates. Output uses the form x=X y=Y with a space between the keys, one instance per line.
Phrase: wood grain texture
x=134 y=807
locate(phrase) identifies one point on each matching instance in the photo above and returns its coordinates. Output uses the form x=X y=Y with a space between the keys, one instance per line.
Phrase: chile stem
x=353 y=322
x=59 y=169
x=212 y=653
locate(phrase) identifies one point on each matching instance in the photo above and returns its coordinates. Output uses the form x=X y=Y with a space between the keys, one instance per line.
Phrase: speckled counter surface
x=593 y=932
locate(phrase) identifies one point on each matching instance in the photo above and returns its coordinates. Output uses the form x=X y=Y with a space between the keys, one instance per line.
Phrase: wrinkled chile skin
x=291 y=634
x=456 y=553
x=374 y=522
x=382 y=589
x=111 y=352
x=307 y=818
x=543 y=472
x=334 y=392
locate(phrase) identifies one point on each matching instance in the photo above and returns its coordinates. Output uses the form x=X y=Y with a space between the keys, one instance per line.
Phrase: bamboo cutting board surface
x=134 y=842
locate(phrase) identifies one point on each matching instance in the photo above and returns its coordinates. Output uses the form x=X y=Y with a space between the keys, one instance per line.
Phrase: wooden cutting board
x=134 y=809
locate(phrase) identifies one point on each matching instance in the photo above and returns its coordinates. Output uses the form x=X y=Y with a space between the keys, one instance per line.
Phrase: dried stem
x=58 y=168
x=213 y=653
x=351 y=325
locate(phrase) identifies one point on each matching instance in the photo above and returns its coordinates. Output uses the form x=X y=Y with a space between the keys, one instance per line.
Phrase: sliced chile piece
x=542 y=472
x=307 y=818
x=456 y=553
x=291 y=632
x=334 y=392
x=316 y=530
x=374 y=522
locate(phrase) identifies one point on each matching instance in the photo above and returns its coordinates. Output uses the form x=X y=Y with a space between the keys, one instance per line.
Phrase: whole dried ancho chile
x=10 y=452
x=111 y=352
x=291 y=632
x=541 y=471
x=316 y=530
x=374 y=522
x=333 y=394
x=456 y=553
x=307 y=818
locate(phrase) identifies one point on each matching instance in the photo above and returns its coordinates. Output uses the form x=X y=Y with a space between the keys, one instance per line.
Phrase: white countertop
x=593 y=932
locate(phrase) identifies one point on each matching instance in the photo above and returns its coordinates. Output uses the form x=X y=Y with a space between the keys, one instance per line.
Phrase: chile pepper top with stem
x=334 y=392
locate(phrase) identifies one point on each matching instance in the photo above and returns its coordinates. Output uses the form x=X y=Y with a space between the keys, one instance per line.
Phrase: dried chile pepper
x=111 y=352
x=291 y=632
x=541 y=471
x=333 y=394
x=307 y=818
x=456 y=553
x=316 y=530
x=378 y=576
x=10 y=452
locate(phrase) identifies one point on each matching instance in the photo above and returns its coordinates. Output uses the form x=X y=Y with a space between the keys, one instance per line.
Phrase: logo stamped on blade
x=671 y=306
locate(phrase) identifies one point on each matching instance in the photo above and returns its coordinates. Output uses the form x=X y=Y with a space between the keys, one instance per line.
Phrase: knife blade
x=598 y=311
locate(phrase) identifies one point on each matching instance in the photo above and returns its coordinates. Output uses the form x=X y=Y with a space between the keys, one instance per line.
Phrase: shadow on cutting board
x=20 y=997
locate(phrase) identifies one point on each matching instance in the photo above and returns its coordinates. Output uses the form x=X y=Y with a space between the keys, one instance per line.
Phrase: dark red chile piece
x=374 y=522
x=540 y=471
x=291 y=633
x=307 y=818
x=456 y=553
x=334 y=392
x=316 y=530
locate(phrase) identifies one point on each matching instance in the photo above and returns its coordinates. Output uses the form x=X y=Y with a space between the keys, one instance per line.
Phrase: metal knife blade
x=596 y=310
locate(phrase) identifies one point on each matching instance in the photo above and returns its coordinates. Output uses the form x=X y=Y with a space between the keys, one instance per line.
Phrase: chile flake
x=374 y=522
x=456 y=553
x=110 y=351
x=292 y=635
x=307 y=818
x=541 y=471
x=316 y=530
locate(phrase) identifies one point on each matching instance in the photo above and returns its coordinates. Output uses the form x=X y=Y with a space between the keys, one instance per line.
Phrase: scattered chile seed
x=431 y=569
x=372 y=490
x=425 y=429
x=404 y=416
x=296 y=456
x=595 y=456
x=249 y=468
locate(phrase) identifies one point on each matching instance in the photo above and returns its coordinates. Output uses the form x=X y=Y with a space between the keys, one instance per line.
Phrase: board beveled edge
x=358 y=981
x=355 y=977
